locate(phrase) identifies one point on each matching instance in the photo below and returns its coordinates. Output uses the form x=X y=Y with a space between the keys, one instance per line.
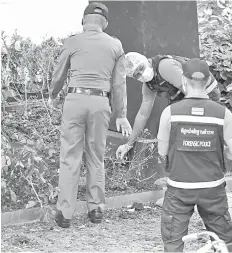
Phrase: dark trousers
x=178 y=208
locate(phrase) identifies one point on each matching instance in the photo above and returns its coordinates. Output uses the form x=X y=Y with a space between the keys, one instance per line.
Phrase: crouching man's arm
x=119 y=94
x=143 y=113
x=140 y=120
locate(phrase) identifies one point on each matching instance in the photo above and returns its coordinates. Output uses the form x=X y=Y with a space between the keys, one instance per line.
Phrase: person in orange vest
x=191 y=138
x=161 y=76
x=95 y=62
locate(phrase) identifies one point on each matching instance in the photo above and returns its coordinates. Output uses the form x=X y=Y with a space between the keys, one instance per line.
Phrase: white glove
x=123 y=150
x=123 y=123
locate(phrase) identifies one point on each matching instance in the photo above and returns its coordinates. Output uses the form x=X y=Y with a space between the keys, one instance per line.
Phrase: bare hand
x=124 y=125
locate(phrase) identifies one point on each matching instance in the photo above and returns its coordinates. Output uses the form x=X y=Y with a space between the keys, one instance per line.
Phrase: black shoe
x=61 y=221
x=95 y=216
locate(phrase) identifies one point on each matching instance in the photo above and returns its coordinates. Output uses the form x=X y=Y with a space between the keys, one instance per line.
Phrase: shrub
x=215 y=33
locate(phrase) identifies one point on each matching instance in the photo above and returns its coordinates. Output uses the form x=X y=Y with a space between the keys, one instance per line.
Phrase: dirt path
x=120 y=232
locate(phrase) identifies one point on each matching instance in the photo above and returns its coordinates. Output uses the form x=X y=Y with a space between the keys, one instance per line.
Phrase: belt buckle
x=88 y=91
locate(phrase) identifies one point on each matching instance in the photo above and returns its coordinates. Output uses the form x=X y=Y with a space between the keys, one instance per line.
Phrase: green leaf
x=40 y=143
x=25 y=156
x=202 y=55
x=224 y=75
x=16 y=145
x=29 y=163
x=41 y=167
x=214 y=22
x=208 y=11
x=209 y=63
x=30 y=204
x=23 y=141
x=5 y=160
x=38 y=159
x=51 y=152
x=30 y=172
x=30 y=143
x=13 y=196
x=19 y=164
x=42 y=179
x=229 y=88
x=3 y=184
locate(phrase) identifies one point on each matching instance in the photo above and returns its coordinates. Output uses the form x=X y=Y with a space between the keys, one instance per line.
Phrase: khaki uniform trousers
x=178 y=207
x=85 y=123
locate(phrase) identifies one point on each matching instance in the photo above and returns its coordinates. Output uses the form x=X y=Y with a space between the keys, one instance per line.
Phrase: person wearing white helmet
x=161 y=75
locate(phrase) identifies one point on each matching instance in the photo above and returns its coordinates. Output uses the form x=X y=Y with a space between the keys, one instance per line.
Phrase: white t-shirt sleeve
x=164 y=131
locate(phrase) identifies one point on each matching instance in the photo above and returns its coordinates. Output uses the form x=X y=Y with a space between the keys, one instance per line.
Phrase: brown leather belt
x=90 y=91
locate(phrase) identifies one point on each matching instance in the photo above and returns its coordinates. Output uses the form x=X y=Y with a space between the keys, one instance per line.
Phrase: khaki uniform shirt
x=95 y=60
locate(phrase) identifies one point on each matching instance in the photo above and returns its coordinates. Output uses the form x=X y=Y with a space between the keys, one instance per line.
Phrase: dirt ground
x=120 y=231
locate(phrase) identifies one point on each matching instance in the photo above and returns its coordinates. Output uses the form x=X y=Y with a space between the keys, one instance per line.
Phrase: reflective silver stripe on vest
x=198 y=185
x=196 y=119
x=211 y=87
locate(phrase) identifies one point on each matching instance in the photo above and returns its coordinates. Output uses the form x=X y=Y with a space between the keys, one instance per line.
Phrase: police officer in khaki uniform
x=97 y=71
x=191 y=137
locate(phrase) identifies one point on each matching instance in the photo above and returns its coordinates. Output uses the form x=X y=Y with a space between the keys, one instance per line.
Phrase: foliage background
x=30 y=138
x=215 y=35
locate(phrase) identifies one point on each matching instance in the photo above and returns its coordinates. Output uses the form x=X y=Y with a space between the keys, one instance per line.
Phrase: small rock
x=159 y=248
x=123 y=215
x=149 y=238
x=147 y=207
x=131 y=210
x=106 y=227
x=32 y=230
x=81 y=227
x=138 y=206
x=107 y=221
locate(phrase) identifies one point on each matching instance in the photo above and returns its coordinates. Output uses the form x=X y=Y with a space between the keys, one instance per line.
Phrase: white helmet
x=133 y=60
